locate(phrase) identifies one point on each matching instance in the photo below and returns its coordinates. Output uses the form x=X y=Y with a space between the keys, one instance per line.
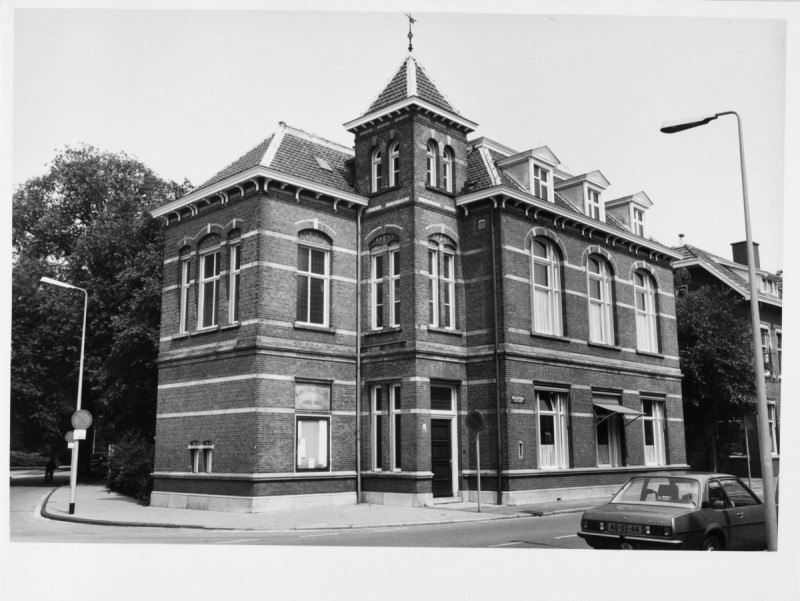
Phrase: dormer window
x=541 y=182
x=593 y=208
x=447 y=171
x=377 y=173
x=394 y=164
x=638 y=222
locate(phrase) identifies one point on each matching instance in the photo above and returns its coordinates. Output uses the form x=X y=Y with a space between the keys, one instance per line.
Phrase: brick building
x=706 y=269
x=331 y=315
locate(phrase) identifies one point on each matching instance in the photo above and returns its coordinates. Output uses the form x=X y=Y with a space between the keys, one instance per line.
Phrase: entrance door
x=441 y=458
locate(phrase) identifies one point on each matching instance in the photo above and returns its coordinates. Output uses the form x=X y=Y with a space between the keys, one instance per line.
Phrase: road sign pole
x=478 y=458
x=73 y=478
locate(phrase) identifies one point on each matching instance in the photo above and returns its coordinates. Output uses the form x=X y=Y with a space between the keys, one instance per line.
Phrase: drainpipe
x=358 y=355
x=496 y=364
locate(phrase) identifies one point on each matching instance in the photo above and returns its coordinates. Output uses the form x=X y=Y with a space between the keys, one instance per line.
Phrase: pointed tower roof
x=411 y=86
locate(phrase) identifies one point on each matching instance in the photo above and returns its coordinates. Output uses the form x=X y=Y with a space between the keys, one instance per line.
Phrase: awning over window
x=629 y=415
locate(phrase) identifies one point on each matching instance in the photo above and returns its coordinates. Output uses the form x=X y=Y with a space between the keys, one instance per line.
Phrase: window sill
x=231 y=326
x=202 y=331
x=386 y=330
x=181 y=336
x=385 y=190
x=611 y=347
x=650 y=354
x=451 y=332
x=440 y=190
x=313 y=327
x=550 y=337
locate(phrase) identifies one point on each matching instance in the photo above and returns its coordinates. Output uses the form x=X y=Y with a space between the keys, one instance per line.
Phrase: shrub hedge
x=130 y=465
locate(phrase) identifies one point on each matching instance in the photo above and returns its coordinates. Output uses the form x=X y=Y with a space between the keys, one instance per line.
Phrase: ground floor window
x=313 y=443
x=395 y=431
x=653 y=424
x=553 y=452
x=609 y=427
x=773 y=430
x=382 y=406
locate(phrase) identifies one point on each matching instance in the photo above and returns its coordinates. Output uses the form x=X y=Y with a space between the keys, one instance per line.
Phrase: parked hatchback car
x=712 y=512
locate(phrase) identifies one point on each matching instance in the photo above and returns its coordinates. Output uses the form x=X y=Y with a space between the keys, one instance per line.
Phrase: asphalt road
x=547 y=532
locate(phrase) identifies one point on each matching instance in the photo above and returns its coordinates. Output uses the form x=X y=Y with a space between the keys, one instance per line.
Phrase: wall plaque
x=312 y=397
x=517 y=399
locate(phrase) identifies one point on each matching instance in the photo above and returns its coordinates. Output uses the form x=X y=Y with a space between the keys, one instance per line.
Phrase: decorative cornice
x=194 y=200
x=408 y=103
x=502 y=195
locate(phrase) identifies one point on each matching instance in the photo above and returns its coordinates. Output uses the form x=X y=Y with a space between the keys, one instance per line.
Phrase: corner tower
x=411 y=163
x=410 y=141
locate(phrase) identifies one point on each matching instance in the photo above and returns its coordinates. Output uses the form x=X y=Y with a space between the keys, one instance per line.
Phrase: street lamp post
x=73 y=476
x=764 y=440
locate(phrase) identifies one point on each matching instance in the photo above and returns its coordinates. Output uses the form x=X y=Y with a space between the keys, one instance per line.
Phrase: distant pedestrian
x=49 y=469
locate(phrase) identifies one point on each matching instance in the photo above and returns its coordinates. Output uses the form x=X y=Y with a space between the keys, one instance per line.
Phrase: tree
x=716 y=359
x=85 y=222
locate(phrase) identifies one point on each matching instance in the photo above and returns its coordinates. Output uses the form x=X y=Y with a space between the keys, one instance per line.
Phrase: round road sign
x=81 y=419
x=69 y=437
x=475 y=421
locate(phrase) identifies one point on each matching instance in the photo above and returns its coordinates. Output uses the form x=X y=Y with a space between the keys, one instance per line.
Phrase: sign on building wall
x=312 y=397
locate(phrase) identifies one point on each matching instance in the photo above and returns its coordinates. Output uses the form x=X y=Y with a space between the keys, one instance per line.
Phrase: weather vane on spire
x=410 y=34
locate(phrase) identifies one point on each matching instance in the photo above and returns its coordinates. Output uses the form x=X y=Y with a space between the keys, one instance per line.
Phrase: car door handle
x=741 y=515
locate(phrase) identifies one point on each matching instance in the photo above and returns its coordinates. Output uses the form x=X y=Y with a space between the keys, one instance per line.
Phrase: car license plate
x=625 y=528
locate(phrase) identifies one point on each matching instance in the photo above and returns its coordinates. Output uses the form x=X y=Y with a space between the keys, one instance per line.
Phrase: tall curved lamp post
x=761 y=392
x=73 y=476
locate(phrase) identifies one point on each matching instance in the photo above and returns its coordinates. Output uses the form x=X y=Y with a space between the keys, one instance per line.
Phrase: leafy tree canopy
x=85 y=222
x=716 y=355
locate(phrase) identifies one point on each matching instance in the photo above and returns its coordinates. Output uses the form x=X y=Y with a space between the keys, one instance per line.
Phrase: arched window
x=385 y=292
x=185 y=289
x=447 y=170
x=646 y=331
x=377 y=173
x=601 y=315
x=442 y=285
x=431 y=163
x=209 y=279
x=394 y=164
x=546 y=289
x=313 y=278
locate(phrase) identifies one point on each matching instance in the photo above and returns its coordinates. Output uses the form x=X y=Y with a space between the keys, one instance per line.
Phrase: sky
x=187 y=91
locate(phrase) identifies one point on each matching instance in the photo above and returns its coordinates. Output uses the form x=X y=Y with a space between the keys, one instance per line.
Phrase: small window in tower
x=323 y=164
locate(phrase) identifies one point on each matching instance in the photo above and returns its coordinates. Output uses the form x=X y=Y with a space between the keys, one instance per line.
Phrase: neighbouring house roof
x=720 y=268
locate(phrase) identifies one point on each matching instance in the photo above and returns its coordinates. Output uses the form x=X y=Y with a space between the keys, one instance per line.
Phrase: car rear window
x=659 y=490
x=738 y=494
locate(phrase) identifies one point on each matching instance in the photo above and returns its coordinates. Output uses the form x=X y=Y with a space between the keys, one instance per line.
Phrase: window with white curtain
x=601 y=315
x=377 y=170
x=553 y=444
x=394 y=164
x=447 y=170
x=546 y=288
x=646 y=322
x=431 y=163
x=653 y=424
x=312 y=448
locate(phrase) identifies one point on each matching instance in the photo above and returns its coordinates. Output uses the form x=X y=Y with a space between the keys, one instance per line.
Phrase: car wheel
x=712 y=543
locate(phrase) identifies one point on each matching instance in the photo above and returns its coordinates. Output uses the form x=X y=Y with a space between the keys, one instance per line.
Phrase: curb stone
x=78 y=520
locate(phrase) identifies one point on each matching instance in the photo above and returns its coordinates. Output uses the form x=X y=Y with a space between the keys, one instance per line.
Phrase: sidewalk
x=95 y=505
